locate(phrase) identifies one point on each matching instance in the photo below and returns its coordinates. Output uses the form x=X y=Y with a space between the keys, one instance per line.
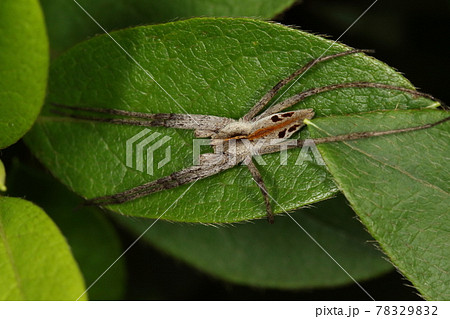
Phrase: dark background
x=411 y=36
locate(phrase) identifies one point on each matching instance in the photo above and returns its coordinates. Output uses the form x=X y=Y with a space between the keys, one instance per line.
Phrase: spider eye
x=293 y=128
x=275 y=118
x=282 y=133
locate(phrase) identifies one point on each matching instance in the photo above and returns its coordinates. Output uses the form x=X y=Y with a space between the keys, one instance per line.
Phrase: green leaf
x=23 y=67
x=91 y=236
x=35 y=260
x=68 y=24
x=398 y=186
x=278 y=256
x=209 y=66
x=2 y=177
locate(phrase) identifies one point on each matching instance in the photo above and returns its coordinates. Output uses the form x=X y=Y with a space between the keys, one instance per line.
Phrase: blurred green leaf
x=2 y=177
x=23 y=67
x=278 y=256
x=398 y=186
x=35 y=260
x=209 y=66
x=90 y=234
x=68 y=24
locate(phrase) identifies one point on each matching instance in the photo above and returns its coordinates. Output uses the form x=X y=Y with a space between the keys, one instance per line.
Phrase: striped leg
x=273 y=91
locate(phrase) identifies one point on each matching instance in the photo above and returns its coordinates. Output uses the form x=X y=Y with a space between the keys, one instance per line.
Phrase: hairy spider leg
x=274 y=90
x=173 y=180
x=268 y=149
x=305 y=94
x=262 y=186
x=204 y=123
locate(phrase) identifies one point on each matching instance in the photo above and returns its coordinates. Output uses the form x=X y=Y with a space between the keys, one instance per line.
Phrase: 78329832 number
x=407 y=310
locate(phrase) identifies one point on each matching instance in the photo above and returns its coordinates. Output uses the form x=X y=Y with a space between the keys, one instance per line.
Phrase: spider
x=272 y=124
